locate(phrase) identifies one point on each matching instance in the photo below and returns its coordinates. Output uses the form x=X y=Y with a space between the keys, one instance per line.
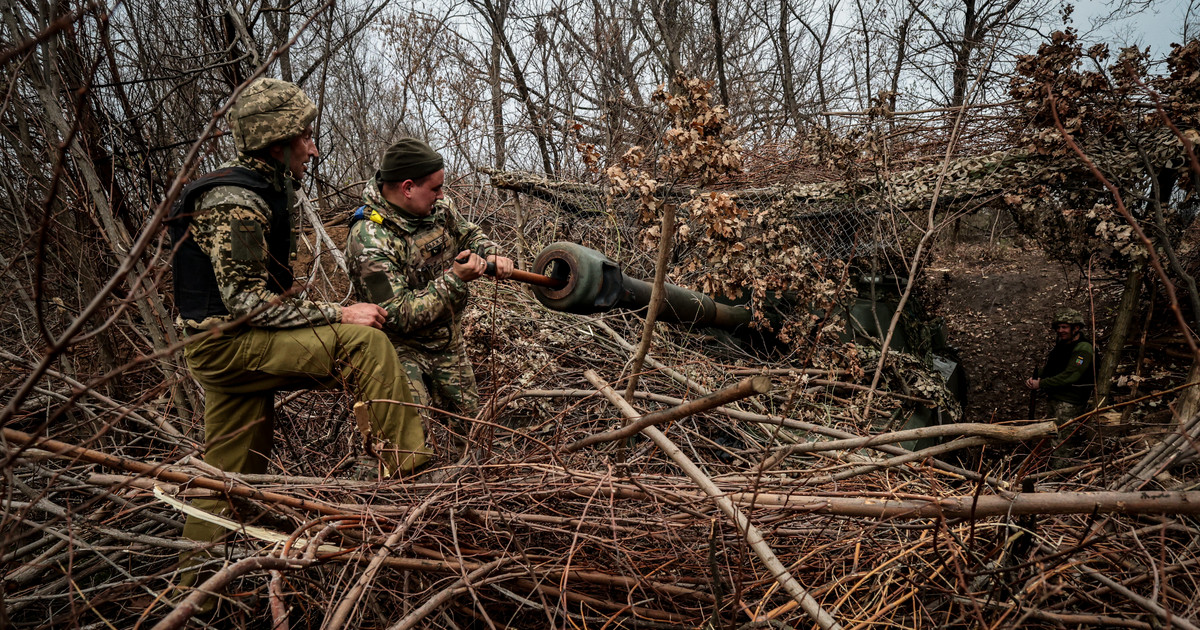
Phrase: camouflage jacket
x=241 y=270
x=402 y=263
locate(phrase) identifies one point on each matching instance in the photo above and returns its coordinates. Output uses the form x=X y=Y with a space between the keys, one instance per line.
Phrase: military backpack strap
x=183 y=210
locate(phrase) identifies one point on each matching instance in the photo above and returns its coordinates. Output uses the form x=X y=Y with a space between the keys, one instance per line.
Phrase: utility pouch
x=378 y=288
x=246 y=240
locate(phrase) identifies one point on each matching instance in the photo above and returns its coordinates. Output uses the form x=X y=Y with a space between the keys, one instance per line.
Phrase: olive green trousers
x=242 y=369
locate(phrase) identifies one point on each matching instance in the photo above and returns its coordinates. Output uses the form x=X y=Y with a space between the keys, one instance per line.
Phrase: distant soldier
x=413 y=254
x=235 y=240
x=1067 y=378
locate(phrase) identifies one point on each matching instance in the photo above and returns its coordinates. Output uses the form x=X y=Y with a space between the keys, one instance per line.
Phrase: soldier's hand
x=364 y=314
x=504 y=266
x=1032 y=383
x=471 y=269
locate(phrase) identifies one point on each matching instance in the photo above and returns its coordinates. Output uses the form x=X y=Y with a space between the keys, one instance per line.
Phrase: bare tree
x=969 y=36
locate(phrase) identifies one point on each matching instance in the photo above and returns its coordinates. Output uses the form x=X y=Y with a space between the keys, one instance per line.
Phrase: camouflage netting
x=842 y=219
x=795 y=247
x=795 y=243
x=852 y=197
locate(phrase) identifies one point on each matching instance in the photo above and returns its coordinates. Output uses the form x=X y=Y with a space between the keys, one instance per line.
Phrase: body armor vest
x=428 y=252
x=197 y=294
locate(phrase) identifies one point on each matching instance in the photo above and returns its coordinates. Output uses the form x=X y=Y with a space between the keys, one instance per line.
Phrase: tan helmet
x=1067 y=316
x=268 y=111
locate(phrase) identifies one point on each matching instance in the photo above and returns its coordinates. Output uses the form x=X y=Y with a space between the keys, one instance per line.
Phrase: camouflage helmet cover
x=1067 y=316
x=268 y=111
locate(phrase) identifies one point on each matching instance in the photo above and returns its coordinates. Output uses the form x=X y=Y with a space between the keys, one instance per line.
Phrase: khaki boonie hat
x=268 y=111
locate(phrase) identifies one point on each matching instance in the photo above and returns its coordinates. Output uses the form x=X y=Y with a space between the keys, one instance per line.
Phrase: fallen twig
x=748 y=530
x=745 y=388
x=217 y=583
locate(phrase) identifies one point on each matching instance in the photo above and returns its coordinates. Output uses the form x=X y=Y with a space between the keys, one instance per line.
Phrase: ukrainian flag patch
x=360 y=213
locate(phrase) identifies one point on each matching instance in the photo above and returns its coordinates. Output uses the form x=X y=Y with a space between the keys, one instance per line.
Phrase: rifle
x=520 y=276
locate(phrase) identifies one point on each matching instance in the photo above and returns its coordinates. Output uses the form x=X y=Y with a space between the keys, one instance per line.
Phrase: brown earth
x=998 y=302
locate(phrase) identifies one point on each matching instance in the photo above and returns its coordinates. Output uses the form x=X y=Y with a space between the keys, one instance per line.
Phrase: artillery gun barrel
x=591 y=283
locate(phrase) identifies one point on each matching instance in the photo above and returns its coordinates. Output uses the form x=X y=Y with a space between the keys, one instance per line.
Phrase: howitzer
x=576 y=279
x=591 y=283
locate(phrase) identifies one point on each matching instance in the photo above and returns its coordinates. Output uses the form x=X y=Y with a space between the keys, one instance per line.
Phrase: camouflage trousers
x=1070 y=447
x=442 y=378
x=242 y=369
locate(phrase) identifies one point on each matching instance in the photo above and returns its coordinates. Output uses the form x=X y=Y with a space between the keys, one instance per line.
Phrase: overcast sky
x=1157 y=26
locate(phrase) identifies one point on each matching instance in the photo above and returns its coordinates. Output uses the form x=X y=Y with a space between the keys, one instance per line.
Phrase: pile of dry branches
x=728 y=489
x=772 y=511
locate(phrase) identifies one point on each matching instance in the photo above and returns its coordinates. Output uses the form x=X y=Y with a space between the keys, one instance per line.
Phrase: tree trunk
x=962 y=55
x=666 y=16
x=495 y=20
x=786 y=65
x=865 y=101
x=497 y=89
x=822 y=55
x=1116 y=341
x=715 y=9
x=901 y=52
x=283 y=30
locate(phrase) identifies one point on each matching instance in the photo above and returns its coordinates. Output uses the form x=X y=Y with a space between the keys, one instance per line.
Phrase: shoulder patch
x=378 y=288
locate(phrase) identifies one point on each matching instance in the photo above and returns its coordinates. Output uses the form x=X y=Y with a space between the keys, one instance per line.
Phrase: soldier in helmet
x=235 y=240
x=1067 y=378
x=412 y=253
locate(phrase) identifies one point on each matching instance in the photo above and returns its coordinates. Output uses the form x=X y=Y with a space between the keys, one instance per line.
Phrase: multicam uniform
x=234 y=233
x=401 y=262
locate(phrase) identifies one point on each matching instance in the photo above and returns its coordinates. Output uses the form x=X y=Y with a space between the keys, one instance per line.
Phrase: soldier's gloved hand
x=504 y=266
x=364 y=314
x=471 y=269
